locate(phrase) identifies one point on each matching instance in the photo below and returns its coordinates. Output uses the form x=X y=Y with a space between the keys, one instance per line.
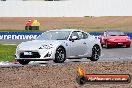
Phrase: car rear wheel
x=23 y=62
x=95 y=53
x=60 y=55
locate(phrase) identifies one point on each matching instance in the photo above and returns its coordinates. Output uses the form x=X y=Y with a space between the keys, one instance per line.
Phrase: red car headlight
x=111 y=39
x=128 y=39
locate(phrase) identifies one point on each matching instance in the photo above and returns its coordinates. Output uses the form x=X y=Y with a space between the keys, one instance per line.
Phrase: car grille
x=34 y=55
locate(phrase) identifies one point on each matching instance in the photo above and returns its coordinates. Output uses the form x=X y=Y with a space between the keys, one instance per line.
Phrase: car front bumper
x=121 y=43
x=35 y=55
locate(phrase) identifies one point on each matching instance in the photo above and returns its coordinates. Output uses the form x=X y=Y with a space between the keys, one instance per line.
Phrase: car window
x=75 y=33
x=85 y=35
x=54 y=35
x=80 y=35
x=116 y=33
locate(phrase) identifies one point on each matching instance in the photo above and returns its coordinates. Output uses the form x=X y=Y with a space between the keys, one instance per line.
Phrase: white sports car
x=59 y=45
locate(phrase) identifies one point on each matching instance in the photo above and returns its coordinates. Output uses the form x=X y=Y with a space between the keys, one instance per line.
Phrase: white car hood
x=36 y=44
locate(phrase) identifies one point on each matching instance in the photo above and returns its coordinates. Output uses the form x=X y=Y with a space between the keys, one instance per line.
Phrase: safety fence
x=34 y=35
x=97 y=34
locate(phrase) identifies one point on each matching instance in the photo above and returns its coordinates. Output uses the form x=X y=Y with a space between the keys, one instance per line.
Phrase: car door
x=76 y=47
x=89 y=39
x=87 y=43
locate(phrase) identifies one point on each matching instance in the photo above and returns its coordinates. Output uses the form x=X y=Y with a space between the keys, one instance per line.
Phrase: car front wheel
x=102 y=45
x=95 y=53
x=23 y=62
x=128 y=46
x=60 y=55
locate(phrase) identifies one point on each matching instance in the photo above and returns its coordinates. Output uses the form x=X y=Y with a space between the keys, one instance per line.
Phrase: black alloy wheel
x=95 y=53
x=60 y=55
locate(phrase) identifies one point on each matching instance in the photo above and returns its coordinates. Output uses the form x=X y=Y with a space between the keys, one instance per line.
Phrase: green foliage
x=7 y=52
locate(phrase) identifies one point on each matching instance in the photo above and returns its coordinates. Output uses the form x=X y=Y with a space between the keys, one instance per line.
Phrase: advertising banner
x=34 y=35
x=19 y=35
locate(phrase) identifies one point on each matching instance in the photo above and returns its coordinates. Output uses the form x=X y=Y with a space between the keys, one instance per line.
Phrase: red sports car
x=115 y=38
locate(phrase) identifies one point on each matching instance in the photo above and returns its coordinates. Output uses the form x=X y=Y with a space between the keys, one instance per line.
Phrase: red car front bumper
x=120 y=43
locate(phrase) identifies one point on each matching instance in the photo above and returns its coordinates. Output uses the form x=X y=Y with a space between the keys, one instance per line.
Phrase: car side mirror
x=73 y=38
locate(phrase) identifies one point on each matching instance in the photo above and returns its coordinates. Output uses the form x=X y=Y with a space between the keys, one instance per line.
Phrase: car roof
x=65 y=30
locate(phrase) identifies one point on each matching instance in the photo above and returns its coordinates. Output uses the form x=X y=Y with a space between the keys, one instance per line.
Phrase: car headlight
x=112 y=39
x=128 y=39
x=18 y=48
x=46 y=46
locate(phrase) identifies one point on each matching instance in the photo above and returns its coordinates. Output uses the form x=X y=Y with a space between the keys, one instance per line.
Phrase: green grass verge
x=7 y=52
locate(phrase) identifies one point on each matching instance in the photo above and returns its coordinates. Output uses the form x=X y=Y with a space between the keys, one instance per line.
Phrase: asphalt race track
x=11 y=41
x=120 y=53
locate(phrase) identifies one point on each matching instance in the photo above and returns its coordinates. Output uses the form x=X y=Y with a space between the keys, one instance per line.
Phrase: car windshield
x=116 y=34
x=54 y=35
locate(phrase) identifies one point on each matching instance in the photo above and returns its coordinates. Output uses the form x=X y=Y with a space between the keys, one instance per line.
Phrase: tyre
x=106 y=45
x=26 y=27
x=95 y=53
x=81 y=80
x=60 y=55
x=102 y=45
x=23 y=62
x=128 y=46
